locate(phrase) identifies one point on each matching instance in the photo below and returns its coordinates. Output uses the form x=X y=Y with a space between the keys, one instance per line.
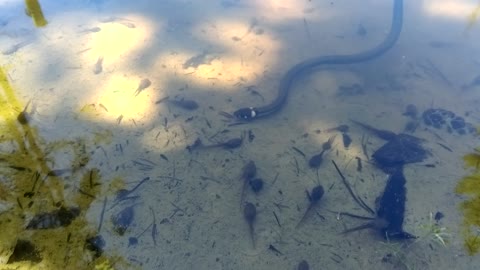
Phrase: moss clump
x=470 y=186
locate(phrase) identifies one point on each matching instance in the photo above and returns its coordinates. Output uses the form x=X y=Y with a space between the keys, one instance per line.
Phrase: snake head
x=245 y=113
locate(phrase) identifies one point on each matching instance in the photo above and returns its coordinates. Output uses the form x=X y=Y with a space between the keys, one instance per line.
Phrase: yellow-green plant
x=434 y=232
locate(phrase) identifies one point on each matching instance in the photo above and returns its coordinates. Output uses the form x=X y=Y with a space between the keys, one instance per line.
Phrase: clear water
x=91 y=125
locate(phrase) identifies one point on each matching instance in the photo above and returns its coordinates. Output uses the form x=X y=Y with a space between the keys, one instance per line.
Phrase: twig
x=102 y=214
x=276 y=218
x=357 y=200
x=299 y=151
x=364 y=146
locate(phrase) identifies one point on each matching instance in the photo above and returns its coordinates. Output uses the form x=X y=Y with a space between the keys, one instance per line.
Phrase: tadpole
x=144 y=83
x=123 y=219
x=249 y=170
x=317 y=159
x=303 y=265
x=314 y=197
x=24 y=117
x=228 y=144
x=346 y=140
x=186 y=104
x=250 y=214
x=96 y=244
x=328 y=144
x=248 y=173
x=256 y=185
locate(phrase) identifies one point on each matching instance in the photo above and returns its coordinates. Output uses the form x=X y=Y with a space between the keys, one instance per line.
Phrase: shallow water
x=94 y=136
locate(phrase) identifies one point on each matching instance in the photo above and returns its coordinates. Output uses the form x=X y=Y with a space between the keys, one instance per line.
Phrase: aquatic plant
x=44 y=213
x=433 y=232
x=34 y=10
x=470 y=186
x=411 y=254
x=104 y=264
x=473 y=17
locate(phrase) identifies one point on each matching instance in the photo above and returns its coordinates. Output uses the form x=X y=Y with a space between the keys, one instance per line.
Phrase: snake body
x=252 y=113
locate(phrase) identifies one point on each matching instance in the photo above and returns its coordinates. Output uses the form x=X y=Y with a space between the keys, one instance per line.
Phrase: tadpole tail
x=242 y=196
x=252 y=236
x=304 y=216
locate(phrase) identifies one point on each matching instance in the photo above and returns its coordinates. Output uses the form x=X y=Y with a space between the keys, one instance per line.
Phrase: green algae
x=469 y=186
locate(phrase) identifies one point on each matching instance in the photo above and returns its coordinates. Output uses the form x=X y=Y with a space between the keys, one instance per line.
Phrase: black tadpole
x=316 y=160
x=250 y=214
x=303 y=265
x=229 y=144
x=256 y=185
x=314 y=197
x=316 y=194
x=248 y=173
x=249 y=170
x=232 y=143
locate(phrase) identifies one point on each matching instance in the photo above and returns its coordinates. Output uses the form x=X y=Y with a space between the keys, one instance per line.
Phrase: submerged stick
x=357 y=199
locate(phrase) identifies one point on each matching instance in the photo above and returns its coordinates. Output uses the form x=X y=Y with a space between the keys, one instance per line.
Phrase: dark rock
x=401 y=150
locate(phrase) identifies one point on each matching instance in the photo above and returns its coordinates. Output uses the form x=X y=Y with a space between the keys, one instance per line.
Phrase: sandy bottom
x=96 y=130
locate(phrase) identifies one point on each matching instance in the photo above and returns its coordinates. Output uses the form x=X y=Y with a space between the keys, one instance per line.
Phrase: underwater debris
x=34 y=10
x=15 y=47
x=411 y=126
x=361 y=31
x=51 y=220
x=95 y=29
x=440 y=118
x=182 y=103
x=411 y=111
x=391 y=211
x=472 y=84
x=24 y=251
x=125 y=22
x=400 y=149
x=203 y=58
x=340 y=128
x=350 y=90
x=122 y=194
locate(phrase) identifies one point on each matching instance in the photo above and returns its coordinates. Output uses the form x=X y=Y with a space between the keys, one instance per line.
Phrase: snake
x=253 y=113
